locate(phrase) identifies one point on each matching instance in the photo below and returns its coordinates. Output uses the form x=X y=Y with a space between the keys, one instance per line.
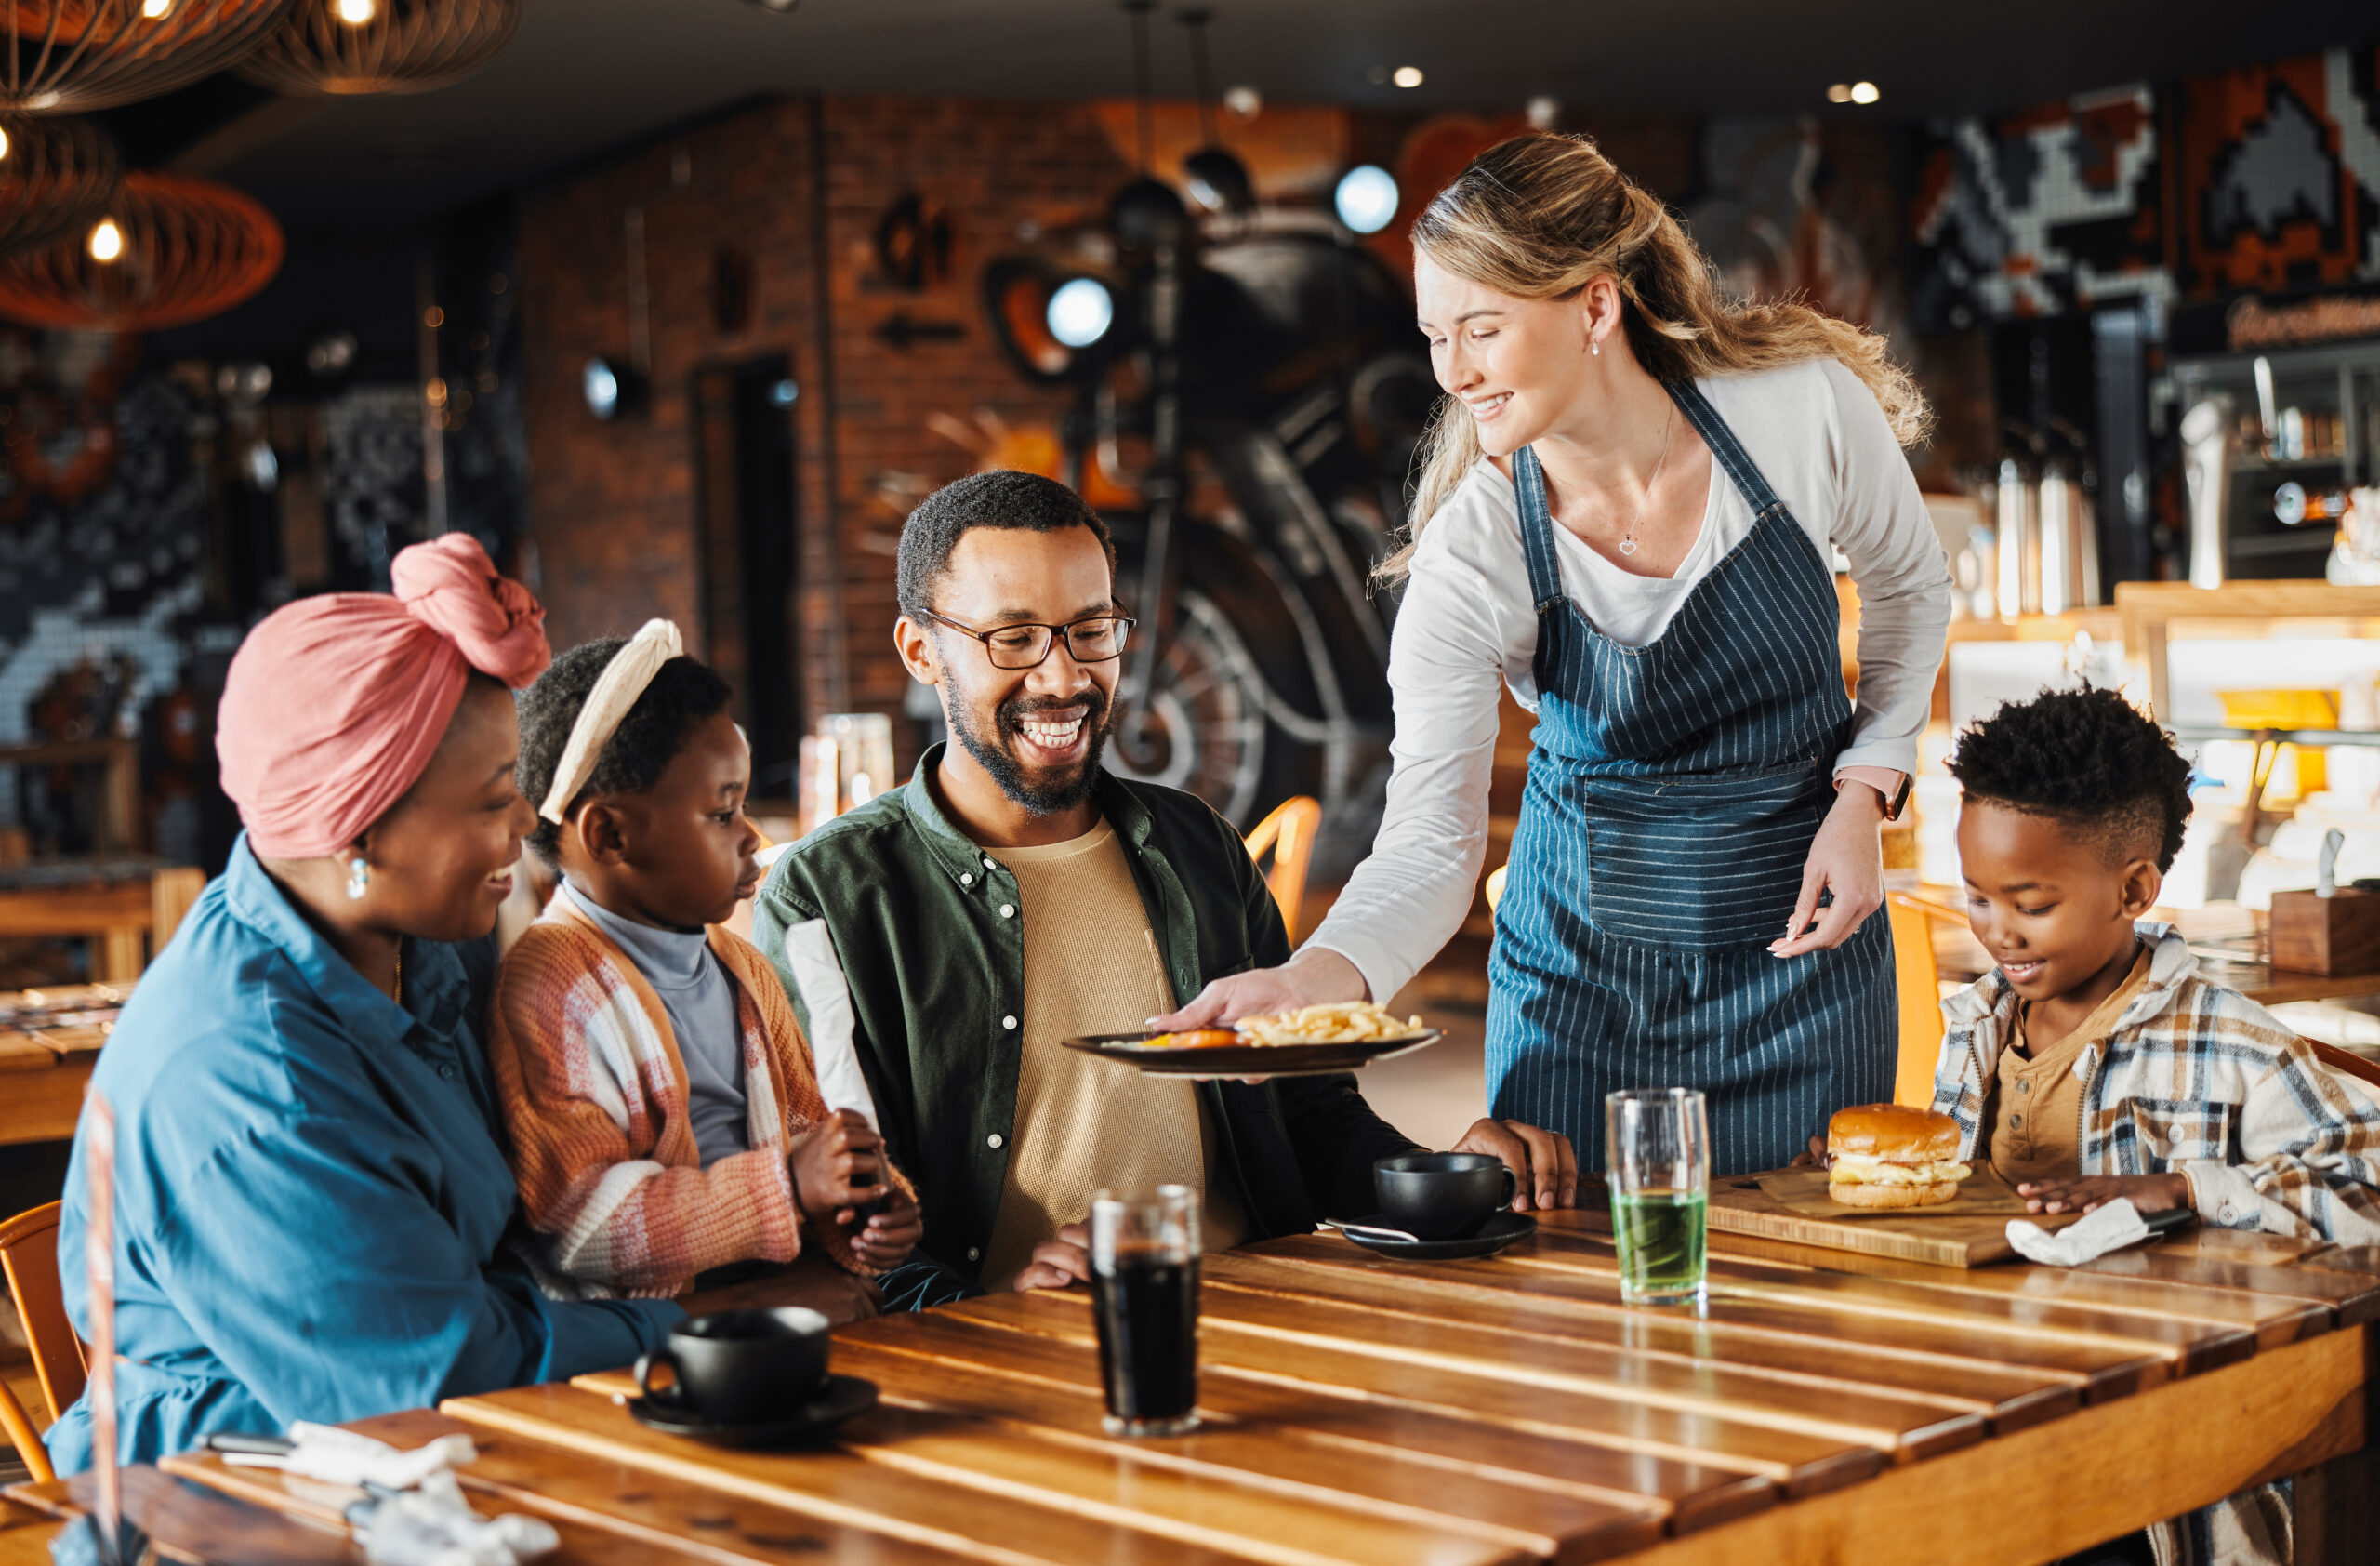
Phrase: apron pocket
x=1699 y=863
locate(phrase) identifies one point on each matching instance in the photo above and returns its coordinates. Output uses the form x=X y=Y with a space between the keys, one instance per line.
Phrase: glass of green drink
x=1659 y=1144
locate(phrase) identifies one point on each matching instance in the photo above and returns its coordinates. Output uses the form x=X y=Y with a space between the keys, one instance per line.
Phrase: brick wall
x=614 y=508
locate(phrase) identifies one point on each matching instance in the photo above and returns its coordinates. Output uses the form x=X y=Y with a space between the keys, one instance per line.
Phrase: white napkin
x=326 y=1452
x=426 y=1522
x=435 y=1526
x=2112 y=1228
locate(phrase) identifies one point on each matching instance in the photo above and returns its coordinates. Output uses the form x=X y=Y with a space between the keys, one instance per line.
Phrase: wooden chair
x=2346 y=1063
x=1919 y=981
x=1288 y=834
x=127 y=922
x=29 y=1256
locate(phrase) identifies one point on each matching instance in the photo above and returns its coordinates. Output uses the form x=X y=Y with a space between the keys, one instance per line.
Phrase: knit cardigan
x=594 y=1094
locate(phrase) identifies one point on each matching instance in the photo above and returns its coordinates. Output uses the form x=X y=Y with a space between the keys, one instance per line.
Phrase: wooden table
x=1825 y=1407
x=45 y=1071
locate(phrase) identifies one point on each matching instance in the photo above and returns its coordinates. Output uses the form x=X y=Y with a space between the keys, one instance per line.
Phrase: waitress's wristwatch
x=1892 y=786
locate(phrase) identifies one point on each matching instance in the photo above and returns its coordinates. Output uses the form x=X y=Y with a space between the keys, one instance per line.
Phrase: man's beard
x=997 y=754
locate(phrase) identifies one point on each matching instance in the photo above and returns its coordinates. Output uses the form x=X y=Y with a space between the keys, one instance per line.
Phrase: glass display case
x=2272 y=445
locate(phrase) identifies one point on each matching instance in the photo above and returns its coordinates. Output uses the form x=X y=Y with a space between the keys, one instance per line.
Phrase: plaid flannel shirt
x=2200 y=1080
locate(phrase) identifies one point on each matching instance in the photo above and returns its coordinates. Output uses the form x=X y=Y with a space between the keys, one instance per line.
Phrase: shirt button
x=993 y=1140
x=2016 y=1119
x=447 y=1072
x=966 y=880
x=1008 y=1022
x=1008 y=910
x=974 y=1254
x=2024 y=1087
x=989 y=866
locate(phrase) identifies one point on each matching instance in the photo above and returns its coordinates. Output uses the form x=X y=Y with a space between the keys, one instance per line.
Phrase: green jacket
x=933 y=964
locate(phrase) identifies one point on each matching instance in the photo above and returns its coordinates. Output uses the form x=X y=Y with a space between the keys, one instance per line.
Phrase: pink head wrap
x=335 y=704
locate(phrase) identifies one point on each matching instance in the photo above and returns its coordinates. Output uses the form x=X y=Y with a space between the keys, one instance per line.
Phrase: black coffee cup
x=1442 y=1196
x=741 y=1367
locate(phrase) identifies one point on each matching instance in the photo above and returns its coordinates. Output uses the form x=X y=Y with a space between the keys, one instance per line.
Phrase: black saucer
x=838 y=1398
x=1500 y=1230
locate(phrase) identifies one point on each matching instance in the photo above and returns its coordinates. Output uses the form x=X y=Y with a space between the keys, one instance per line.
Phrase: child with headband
x=669 y=1128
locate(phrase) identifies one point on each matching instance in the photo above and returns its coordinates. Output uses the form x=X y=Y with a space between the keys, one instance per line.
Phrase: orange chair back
x=28 y=1256
x=18 y=1426
x=1288 y=834
x=1919 y=981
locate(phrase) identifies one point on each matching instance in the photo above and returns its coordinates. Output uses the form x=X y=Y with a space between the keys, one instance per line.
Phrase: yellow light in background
x=152 y=9
x=1864 y=92
x=1407 y=76
x=355 y=13
x=1839 y=93
x=107 y=240
x=3 y=144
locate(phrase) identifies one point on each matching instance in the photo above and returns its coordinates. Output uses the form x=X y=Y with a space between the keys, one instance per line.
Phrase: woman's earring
x=1594 y=348
x=359 y=877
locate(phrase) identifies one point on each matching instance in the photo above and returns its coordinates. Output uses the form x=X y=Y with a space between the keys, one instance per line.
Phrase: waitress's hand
x=1311 y=978
x=1849 y=858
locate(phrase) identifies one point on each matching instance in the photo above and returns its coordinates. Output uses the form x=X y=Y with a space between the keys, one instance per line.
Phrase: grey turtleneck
x=700 y=999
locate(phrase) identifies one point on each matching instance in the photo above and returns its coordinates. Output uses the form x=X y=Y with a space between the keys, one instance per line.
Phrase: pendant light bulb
x=107 y=240
x=155 y=10
x=4 y=146
x=355 y=13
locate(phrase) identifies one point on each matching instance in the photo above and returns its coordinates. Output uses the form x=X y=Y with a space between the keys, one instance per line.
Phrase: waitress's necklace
x=1669 y=429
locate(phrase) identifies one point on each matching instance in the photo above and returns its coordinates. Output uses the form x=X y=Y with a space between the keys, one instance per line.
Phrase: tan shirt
x=2033 y=1125
x=1091 y=965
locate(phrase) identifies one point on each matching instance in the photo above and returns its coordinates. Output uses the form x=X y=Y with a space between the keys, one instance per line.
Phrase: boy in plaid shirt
x=2096 y=1062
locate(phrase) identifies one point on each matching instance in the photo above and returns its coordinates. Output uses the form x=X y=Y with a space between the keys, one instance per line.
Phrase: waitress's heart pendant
x=1628 y=546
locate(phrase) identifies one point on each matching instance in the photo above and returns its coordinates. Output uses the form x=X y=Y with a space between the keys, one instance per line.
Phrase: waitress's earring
x=1594 y=348
x=359 y=878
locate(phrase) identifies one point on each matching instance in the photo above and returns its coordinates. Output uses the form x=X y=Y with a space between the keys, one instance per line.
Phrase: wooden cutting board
x=1739 y=1206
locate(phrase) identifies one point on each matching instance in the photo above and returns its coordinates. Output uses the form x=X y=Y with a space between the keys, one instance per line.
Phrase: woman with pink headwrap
x=310 y=1193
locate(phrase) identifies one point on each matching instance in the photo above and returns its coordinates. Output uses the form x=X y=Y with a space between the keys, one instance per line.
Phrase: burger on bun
x=1889 y=1155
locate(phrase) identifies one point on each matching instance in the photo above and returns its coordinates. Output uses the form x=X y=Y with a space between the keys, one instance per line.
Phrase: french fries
x=1336 y=1022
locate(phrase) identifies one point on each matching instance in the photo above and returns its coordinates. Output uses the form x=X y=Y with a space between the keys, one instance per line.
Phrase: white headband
x=623 y=680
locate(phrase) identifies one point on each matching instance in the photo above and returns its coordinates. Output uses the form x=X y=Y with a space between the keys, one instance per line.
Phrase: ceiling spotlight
x=609 y=389
x=1407 y=76
x=355 y=13
x=1839 y=93
x=1080 y=311
x=1864 y=92
x=1544 y=112
x=107 y=240
x=3 y=144
x=1243 y=103
x=1365 y=198
x=152 y=9
x=779 y=7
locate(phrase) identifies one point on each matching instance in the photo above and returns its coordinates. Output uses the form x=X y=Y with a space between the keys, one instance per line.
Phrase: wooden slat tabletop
x=1360 y=1412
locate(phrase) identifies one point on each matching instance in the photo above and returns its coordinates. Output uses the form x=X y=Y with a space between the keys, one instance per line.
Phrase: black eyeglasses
x=1027 y=645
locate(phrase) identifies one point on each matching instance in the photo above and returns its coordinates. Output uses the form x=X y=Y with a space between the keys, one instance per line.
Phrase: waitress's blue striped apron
x=1672 y=797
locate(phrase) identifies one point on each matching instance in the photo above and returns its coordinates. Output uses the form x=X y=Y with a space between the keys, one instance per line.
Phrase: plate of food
x=1339 y=1036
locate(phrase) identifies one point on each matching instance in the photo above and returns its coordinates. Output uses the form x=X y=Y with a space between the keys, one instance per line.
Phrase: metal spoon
x=1375 y=1231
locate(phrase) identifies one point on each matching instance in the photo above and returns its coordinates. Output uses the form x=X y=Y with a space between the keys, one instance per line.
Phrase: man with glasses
x=1015 y=894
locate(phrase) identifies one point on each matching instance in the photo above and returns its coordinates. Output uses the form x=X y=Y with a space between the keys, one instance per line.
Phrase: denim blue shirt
x=311 y=1195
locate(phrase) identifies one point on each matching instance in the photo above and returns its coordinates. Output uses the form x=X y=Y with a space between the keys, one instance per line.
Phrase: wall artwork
x=2039 y=212
x=2280 y=172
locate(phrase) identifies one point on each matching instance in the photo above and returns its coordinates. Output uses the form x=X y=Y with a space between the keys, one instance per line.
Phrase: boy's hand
x=1058 y=1263
x=888 y=1238
x=825 y=1162
x=2150 y=1193
x=1817 y=1158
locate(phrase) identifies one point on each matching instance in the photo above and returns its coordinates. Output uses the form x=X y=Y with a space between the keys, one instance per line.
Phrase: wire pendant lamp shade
x=380 y=45
x=170 y=250
x=57 y=174
x=61 y=55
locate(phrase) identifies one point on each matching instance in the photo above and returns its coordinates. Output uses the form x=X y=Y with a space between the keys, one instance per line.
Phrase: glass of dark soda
x=1144 y=1292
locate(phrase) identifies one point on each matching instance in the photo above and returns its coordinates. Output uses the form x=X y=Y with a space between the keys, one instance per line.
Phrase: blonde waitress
x=1632 y=501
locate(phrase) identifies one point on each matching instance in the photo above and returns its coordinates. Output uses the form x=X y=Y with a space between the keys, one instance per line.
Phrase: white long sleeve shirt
x=1468 y=622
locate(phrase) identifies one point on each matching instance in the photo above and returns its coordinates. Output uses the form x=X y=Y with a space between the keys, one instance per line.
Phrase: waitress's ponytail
x=1540 y=216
